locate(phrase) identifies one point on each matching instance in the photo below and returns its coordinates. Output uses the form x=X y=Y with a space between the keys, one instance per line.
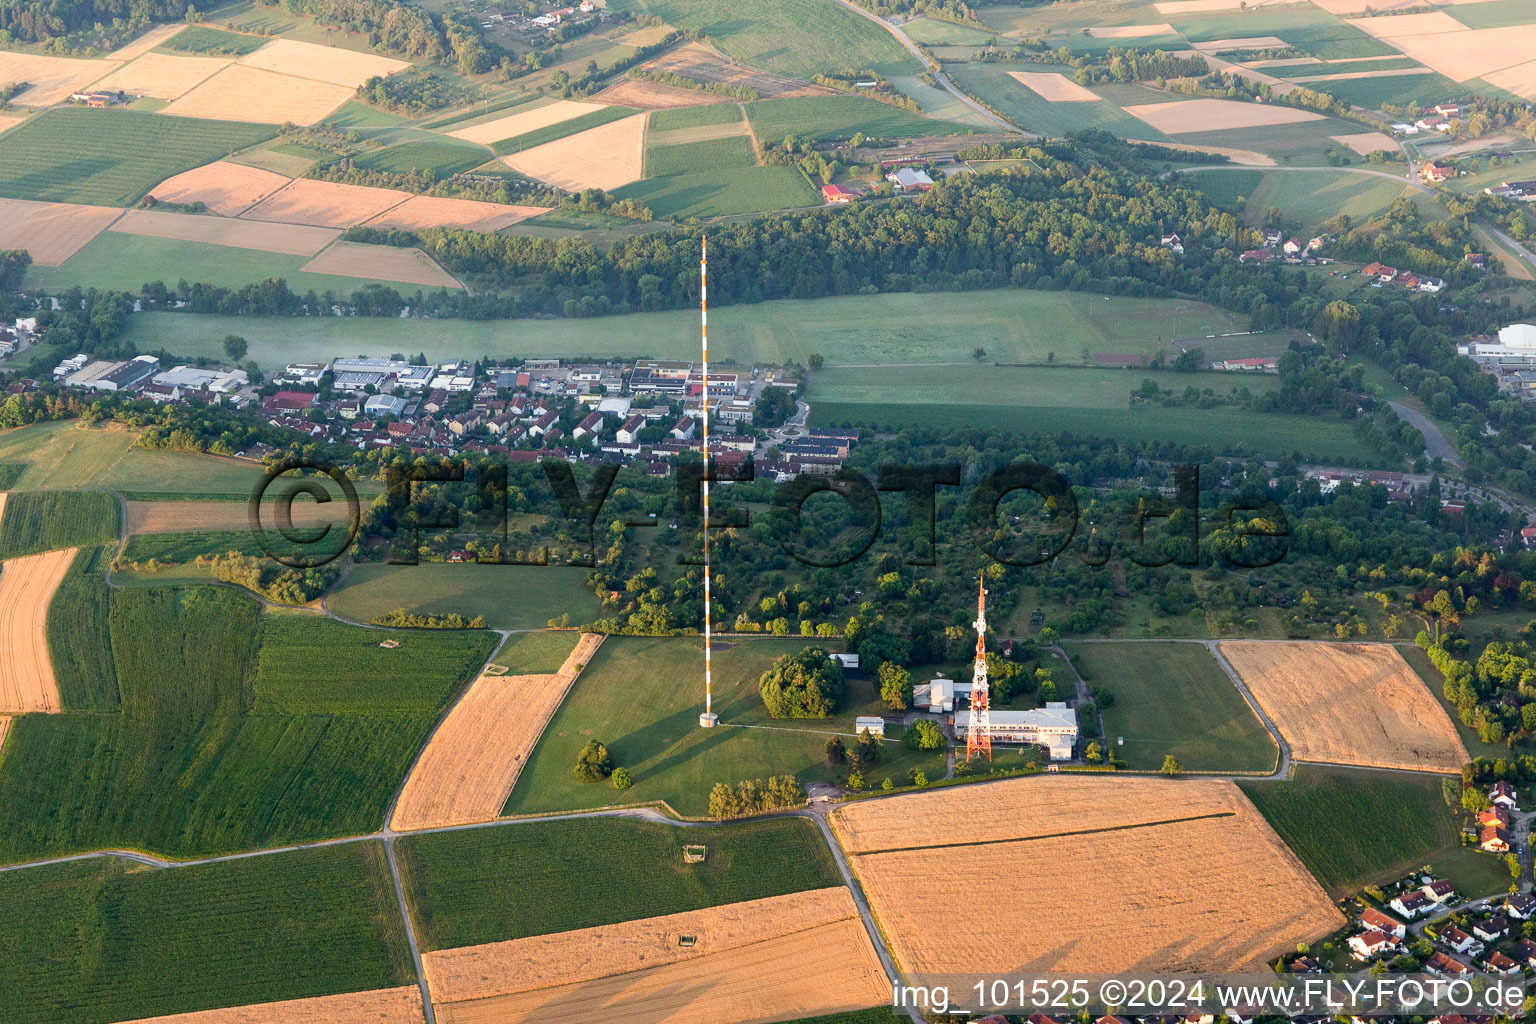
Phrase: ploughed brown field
x=1181 y=876
x=380 y=1006
x=1349 y=704
x=785 y=957
x=26 y=673
x=472 y=761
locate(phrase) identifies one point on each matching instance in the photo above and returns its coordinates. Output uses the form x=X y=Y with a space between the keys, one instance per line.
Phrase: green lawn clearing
x=991 y=84
x=721 y=193
x=110 y=157
x=101 y=941
x=934 y=31
x=1175 y=699
x=512 y=881
x=535 y=654
x=509 y=596
x=49 y=520
x=1353 y=828
x=1307 y=200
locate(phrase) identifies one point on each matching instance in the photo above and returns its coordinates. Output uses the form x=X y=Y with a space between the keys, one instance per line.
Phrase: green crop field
x=800 y=38
x=1235 y=431
x=509 y=596
x=931 y=31
x=839 y=117
x=1226 y=188
x=353 y=114
x=1012 y=324
x=1495 y=14
x=64 y=454
x=1174 y=699
x=79 y=635
x=1402 y=90
x=10 y=472
x=179 y=548
x=532 y=654
x=1307 y=200
x=550 y=133
x=1353 y=828
x=212 y=42
x=360 y=677
x=991 y=84
x=642 y=697
x=110 y=157
x=939 y=103
x=720 y=193
x=95 y=941
x=707 y=156
x=443 y=158
x=196 y=762
x=512 y=881
x=694 y=117
x=49 y=520
x=1304 y=143
x=127 y=262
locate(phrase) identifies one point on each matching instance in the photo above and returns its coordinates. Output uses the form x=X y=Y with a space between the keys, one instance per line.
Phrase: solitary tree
x=1171 y=765
x=593 y=764
x=621 y=779
x=234 y=347
x=895 y=685
x=837 y=753
x=924 y=735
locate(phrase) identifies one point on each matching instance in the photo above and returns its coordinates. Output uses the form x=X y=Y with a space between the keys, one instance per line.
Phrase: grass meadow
x=1175 y=699
x=509 y=596
x=444 y=158
x=1013 y=325
x=1307 y=199
x=694 y=117
x=723 y=192
x=800 y=38
x=212 y=42
x=1353 y=828
x=512 y=881
x=839 y=117
x=688 y=157
x=110 y=157
x=991 y=84
x=210 y=751
x=642 y=696
x=939 y=103
x=96 y=941
x=65 y=454
x=49 y=520
x=1402 y=90
x=530 y=654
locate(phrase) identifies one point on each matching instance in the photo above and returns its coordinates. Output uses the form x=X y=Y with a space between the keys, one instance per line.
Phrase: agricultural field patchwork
x=49 y=520
x=1170 y=854
x=51 y=232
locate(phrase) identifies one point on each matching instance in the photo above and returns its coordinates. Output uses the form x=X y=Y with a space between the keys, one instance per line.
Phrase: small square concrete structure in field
x=694 y=854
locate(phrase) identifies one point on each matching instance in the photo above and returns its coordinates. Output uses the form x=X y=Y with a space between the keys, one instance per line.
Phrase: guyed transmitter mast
x=978 y=740
x=708 y=720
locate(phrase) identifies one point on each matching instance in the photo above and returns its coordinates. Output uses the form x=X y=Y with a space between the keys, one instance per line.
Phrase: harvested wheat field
x=472 y=761
x=1176 y=7
x=1130 y=31
x=1181 y=117
x=225 y=188
x=1366 y=144
x=380 y=1006
x=195 y=516
x=10 y=120
x=1441 y=42
x=146 y=42
x=1240 y=156
x=381 y=263
x=293 y=239
x=1349 y=704
x=605 y=157
x=26 y=673
x=51 y=232
x=1350 y=75
x=1424 y=24
x=325 y=204
x=241 y=93
x=322 y=63
x=52 y=78
x=1172 y=857
x=163 y=75
x=420 y=212
x=795 y=956
x=1520 y=80
x=513 y=125
x=643 y=95
x=1052 y=86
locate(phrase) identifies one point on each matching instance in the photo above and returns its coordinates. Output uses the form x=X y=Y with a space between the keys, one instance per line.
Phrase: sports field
x=110 y=157
x=1174 y=699
x=801 y=38
x=509 y=596
x=1353 y=828
x=511 y=881
x=94 y=942
x=635 y=698
x=1013 y=325
x=1162 y=856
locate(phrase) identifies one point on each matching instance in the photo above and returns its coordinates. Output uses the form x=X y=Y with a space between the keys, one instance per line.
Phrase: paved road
x=1435 y=443
x=1283 y=762
x=937 y=71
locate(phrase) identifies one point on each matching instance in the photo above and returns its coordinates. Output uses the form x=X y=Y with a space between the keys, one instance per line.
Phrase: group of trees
x=752 y=796
x=807 y=684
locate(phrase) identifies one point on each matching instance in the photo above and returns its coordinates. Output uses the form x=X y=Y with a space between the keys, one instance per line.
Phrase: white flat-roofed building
x=384 y=405
x=1053 y=727
x=937 y=696
x=194 y=378
x=304 y=374
x=870 y=724
x=1518 y=336
x=383 y=374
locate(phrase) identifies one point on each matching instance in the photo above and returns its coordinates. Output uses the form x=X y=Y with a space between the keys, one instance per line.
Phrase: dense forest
x=41 y=20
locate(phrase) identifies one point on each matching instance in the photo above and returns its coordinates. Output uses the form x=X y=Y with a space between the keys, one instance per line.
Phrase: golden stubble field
x=26 y=671
x=225 y=188
x=51 y=232
x=606 y=157
x=472 y=761
x=380 y=1006
x=784 y=957
x=1178 y=876
x=1349 y=704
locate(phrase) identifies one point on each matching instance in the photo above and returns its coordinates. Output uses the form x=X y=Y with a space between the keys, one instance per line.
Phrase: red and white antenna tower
x=708 y=719
x=978 y=740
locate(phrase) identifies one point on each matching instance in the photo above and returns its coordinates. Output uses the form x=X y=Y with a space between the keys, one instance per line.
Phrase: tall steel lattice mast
x=708 y=719
x=978 y=740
